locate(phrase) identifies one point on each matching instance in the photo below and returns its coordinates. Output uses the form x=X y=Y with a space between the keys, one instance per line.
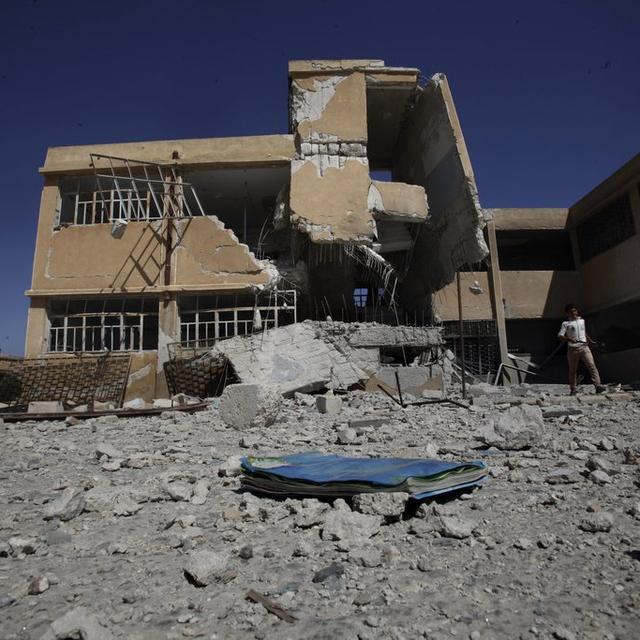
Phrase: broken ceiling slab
x=204 y=152
x=398 y=201
x=291 y=358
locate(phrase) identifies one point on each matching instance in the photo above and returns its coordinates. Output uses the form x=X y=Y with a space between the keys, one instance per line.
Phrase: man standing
x=574 y=333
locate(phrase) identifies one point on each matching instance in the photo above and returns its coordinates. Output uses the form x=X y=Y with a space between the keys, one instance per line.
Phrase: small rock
x=19 y=545
x=246 y=552
x=390 y=504
x=598 y=463
x=231 y=467
x=6 y=600
x=329 y=404
x=334 y=570
x=38 y=585
x=523 y=544
x=599 y=477
x=205 y=566
x=125 y=505
x=250 y=441
x=67 y=506
x=453 y=527
x=347 y=435
x=77 y=623
x=179 y=491
x=563 y=475
x=200 y=492
x=104 y=449
x=602 y=521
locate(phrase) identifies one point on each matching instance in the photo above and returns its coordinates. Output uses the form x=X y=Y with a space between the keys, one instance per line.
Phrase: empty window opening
x=114 y=324
x=544 y=250
x=606 y=228
x=206 y=319
x=244 y=200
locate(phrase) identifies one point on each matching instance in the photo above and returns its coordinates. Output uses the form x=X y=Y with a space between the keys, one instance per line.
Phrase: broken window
x=112 y=324
x=606 y=228
x=205 y=319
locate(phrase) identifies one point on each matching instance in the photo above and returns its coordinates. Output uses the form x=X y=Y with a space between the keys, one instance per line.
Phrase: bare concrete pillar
x=37 y=328
x=168 y=332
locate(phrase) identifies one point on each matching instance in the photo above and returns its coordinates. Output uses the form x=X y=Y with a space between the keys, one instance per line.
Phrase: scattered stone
x=390 y=504
x=352 y=529
x=178 y=491
x=518 y=427
x=346 y=435
x=200 y=492
x=599 y=477
x=598 y=463
x=334 y=570
x=66 y=506
x=371 y=422
x=106 y=450
x=38 y=585
x=249 y=405
x=455 y=527
x=125 y=505
x=23 y=545
x=523 y=544
x=6 y=600
x=246 y=552
x=601 y=521
x=231 y=467
x=563 y=475
x=206 y=566
x=250 y=442
x=77 y=623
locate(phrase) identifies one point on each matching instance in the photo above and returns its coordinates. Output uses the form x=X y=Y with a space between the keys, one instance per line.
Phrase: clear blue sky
x=548 y=93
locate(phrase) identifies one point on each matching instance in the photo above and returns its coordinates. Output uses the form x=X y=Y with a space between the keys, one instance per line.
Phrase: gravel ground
x=135 y=527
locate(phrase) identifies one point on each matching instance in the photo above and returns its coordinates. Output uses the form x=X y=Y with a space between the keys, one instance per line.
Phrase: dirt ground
x=135 y=527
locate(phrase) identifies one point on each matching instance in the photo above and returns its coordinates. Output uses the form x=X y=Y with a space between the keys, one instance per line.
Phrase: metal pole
x=461 y=330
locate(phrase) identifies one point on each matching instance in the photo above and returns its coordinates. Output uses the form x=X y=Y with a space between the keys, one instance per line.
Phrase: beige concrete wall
x=611 y=277
x=204 y=152
x=527 y=294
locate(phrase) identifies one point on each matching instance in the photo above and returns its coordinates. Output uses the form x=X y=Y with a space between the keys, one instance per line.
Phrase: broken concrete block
x=517 y=428
x=249 y=405
x=162 y=403
x=134 y=403
x=77 y=623
x=389 y=504
x=205 y=566
x=45 y=406
x=329 y=404
x=67 y=506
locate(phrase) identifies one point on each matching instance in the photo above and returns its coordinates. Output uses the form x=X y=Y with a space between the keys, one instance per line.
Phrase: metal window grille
x=606 y=228
x=206 y=319
x=103 y=325
x=480 y=344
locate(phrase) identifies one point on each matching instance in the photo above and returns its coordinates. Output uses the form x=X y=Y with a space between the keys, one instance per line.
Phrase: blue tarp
x=332 y=475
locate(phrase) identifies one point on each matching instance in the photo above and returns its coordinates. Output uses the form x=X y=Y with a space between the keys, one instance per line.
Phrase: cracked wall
x=85 y=258
x=332 y=197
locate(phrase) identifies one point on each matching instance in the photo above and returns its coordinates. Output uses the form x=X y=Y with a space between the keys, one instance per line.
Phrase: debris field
x=136 y=527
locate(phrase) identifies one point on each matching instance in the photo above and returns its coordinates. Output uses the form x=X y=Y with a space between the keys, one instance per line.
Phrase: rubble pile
x=135 y=527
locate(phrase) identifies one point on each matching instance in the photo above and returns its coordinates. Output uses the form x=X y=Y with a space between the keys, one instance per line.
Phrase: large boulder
x=249 y=405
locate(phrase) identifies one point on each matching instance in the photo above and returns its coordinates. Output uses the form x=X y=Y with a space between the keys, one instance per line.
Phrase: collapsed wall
x=431 y=152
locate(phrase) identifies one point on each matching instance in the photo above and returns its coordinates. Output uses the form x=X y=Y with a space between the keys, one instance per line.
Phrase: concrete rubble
x=164 y=546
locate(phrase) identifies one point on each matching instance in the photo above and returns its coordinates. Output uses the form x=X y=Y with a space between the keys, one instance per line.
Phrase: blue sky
x=548 y=93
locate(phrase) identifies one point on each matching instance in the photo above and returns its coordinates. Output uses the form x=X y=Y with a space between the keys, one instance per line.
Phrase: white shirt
x=575 y=330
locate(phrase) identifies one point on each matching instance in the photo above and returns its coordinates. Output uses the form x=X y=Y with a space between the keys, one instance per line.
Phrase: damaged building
x=363 y=213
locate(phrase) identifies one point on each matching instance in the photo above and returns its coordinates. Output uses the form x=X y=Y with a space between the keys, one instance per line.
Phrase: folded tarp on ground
x=318 y=474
